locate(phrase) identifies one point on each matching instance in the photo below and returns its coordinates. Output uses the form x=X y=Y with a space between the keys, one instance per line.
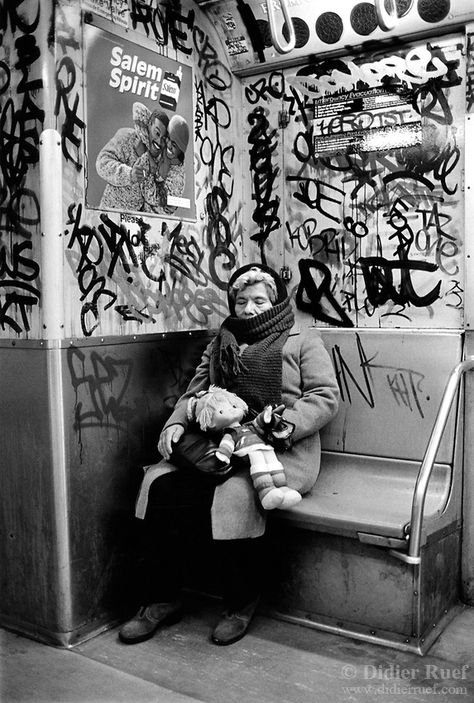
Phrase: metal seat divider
x=413 y=556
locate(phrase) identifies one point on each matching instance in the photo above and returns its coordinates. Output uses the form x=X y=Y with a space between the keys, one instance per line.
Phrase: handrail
x=387 y=19
x=387 y=15
x=279 y=46
x=424 y=474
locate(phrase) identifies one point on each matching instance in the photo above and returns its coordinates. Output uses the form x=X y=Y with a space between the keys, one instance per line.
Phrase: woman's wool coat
x=310 y=395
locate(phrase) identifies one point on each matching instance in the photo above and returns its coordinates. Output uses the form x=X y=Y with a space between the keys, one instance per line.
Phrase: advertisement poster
x=139 y=129
x=376 y=119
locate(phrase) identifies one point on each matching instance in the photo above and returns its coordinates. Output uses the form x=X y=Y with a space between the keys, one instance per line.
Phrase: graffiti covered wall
x=132 y=273
x=21 y=122
x=356 y=176
x=353 y=169
x=125 y=272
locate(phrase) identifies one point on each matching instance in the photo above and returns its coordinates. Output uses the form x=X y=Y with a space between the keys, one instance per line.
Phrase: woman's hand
x=138 y=173
x=169 y=436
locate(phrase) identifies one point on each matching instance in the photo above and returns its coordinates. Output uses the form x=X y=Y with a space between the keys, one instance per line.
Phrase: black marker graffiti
x=21 y=121
x=317 y=298
x=102 y=382
x=163 y=22
x=405 y=384
x=72 y=127
x=215 y=74
x=263 y=142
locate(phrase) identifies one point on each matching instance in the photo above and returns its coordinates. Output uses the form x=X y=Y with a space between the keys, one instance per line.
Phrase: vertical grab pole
x=51 y=234
x=52 y=297
x=282 y=48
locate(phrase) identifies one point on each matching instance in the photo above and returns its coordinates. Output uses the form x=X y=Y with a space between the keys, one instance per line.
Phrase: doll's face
x=226 y=414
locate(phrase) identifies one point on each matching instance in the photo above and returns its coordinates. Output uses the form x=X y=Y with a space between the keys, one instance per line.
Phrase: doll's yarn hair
x=202 y=406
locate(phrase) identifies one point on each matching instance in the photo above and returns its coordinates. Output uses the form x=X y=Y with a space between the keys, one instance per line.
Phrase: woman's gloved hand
x=268 y=418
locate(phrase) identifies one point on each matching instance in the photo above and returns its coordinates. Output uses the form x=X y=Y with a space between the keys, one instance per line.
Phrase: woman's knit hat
x=282 y=293
x=178 y=131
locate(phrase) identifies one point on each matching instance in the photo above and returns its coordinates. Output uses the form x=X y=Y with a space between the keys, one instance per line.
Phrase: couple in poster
x=143 y=165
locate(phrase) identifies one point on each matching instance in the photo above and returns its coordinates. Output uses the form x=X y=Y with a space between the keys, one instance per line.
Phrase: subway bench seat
x=342 y=556
x=367 y=498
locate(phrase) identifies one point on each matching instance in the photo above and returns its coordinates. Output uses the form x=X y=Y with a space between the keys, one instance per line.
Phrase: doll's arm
x=226 y=448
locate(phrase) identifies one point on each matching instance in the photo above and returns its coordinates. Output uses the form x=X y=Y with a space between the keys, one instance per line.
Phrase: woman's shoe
x=233 y=625
x=148 y=619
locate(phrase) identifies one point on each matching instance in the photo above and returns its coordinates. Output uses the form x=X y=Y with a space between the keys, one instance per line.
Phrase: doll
x=219 y=410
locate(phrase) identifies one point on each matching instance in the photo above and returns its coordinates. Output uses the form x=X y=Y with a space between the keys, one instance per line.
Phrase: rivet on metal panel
x=283 y=119
x=372 y=632
x=101 y=340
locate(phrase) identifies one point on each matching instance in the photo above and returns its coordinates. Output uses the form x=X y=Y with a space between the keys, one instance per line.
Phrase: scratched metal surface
x=27 y=523
x=116 y=400
x=391 y=387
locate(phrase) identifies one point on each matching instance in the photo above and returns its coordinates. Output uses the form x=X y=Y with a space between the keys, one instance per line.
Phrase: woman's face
x=252 y=300
x=172 y=149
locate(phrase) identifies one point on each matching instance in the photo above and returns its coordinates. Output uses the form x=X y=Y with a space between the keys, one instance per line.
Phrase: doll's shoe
x=148 y=620
x=273 y=499
x=233 y=625
x=290 y=497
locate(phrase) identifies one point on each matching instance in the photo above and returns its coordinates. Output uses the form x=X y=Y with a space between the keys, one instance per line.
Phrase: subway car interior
x=334 y=143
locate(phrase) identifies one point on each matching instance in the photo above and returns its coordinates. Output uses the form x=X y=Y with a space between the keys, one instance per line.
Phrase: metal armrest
x=426 y=468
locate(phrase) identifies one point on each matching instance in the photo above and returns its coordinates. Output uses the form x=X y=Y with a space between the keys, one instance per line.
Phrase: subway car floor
x=277 y=662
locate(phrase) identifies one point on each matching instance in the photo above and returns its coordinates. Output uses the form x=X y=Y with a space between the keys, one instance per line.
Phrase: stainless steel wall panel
x=27 y=547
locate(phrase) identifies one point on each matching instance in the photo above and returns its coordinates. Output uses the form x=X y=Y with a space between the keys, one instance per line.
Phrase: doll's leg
x=275 y=467
x=270 y=496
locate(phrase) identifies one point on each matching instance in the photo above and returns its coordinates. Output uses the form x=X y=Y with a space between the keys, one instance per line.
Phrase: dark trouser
x=177 y=523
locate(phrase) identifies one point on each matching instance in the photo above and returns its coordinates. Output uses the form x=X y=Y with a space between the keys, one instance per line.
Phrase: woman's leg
x=241 y=564
x=178 y=513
